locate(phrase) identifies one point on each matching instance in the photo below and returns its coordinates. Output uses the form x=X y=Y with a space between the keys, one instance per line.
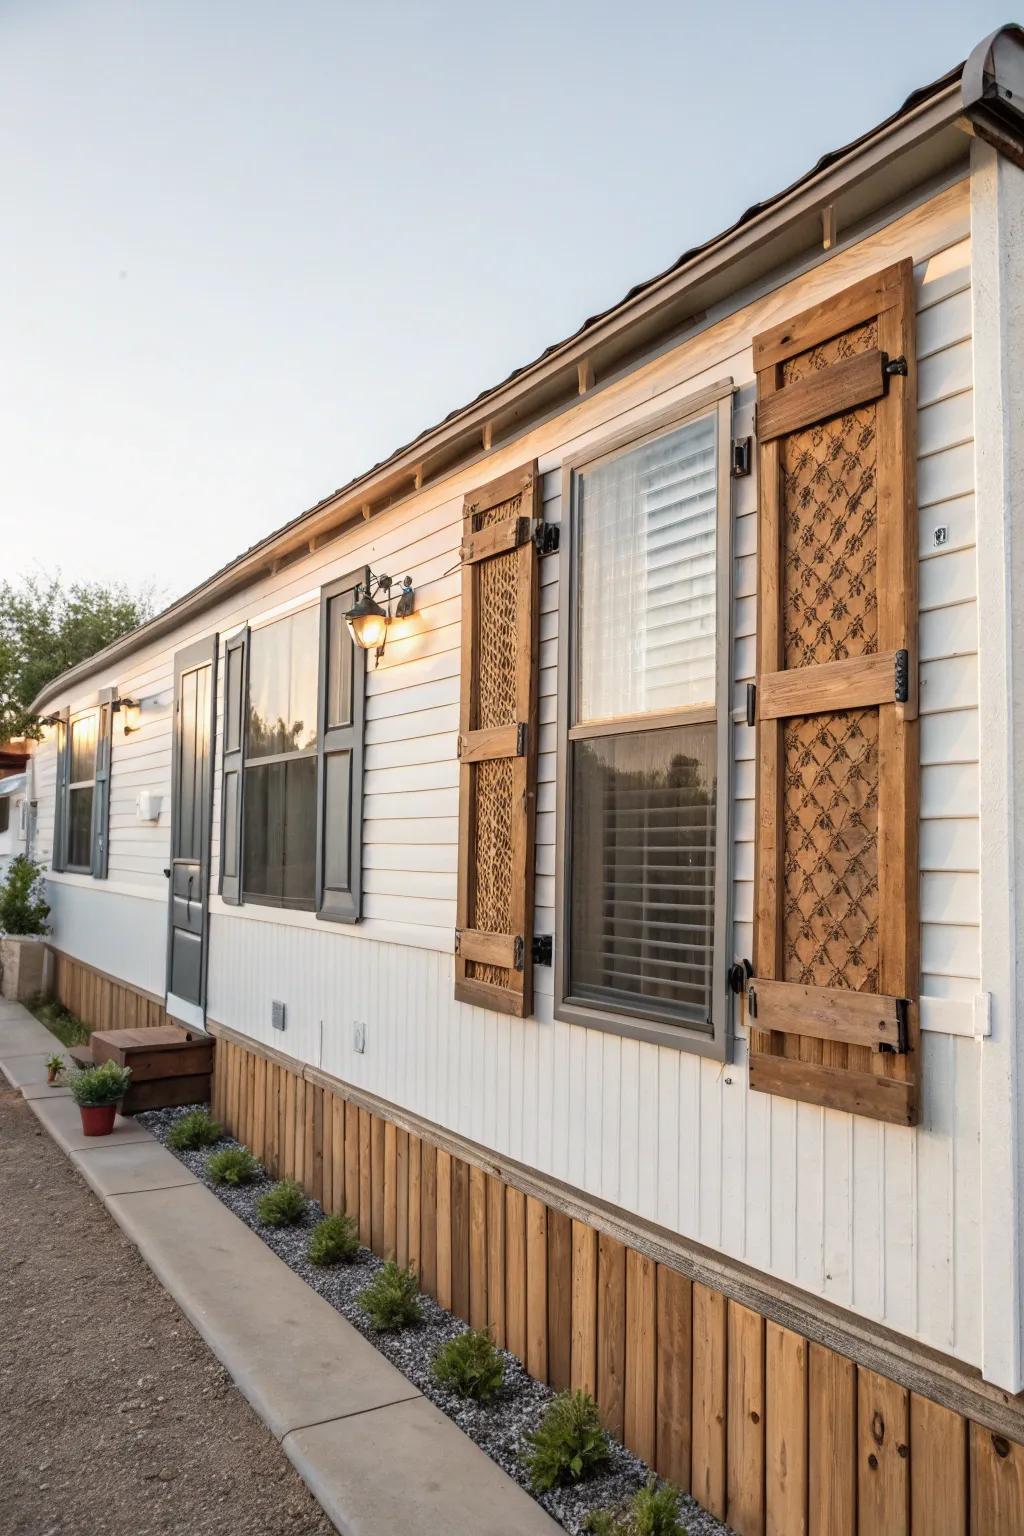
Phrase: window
x=82 y=812
x=279 y=796
x=643 y=807
x=5 y=813
x=291 y=769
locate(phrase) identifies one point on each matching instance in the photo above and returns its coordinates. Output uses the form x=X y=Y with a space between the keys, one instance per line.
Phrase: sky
x=250 y=248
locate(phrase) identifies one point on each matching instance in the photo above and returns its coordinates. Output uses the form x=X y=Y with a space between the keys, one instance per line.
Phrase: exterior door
x=191 y=821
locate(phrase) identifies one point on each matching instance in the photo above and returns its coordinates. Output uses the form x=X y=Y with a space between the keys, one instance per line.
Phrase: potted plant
x=54 y=1067
x=23 y=929
x=97 y=1091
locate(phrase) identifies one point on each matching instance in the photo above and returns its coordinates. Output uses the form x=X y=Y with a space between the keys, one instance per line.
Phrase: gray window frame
x=248 y=762
x=102 y=706
x=716 y=1040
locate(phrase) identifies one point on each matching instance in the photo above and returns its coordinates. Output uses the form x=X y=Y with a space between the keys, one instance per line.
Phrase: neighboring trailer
x=749 y=717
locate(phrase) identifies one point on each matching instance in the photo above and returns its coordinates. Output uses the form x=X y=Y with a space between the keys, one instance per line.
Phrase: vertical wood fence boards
x=99 y=1001
x=775 y=1434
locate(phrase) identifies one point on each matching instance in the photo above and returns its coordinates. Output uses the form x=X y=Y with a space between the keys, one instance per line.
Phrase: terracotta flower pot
x=97 y=1119
x=51 y=1074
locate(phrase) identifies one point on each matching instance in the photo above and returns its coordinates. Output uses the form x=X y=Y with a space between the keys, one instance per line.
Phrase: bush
x=652 y=1511
x=232 y=1165
x=23 y=908
x=334 y=1241
x=55 y=1064
x=392 y=1299
x=282 y=1206
x=568 y=1443
x=470 y=1365
x=68 y=1029
x=196 y=1129
x=105 y=1084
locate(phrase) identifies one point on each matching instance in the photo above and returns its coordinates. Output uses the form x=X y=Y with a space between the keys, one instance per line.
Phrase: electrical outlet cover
x=359 y=1042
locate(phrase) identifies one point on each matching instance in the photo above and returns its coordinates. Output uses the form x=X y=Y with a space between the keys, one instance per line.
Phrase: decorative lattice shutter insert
x=498 y=744
x=832 y=1007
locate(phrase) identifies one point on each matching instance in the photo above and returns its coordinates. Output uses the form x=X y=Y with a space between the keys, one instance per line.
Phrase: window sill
x=679 y=1037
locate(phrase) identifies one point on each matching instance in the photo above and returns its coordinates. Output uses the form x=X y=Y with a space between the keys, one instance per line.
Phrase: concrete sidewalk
x=379 y=1457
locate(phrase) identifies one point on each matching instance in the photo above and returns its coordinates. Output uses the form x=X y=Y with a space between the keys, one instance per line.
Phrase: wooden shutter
x=832 y=1007
x=342 y=707
x=498 y=744
x=60 y=792
x=236 y=692
x=101 y=792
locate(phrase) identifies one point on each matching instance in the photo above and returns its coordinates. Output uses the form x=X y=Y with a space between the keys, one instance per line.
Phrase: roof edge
x=970 y=96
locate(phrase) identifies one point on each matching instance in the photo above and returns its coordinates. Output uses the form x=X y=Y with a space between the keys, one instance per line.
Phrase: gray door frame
x=192 y=658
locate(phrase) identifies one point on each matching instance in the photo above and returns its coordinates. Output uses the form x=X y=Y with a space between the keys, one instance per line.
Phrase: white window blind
x=646 y=550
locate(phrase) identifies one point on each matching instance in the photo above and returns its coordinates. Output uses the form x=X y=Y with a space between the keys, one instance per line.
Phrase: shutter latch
x=895 y=367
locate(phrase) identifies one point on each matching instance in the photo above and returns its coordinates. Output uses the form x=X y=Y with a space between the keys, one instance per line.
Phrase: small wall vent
x=277 y=1018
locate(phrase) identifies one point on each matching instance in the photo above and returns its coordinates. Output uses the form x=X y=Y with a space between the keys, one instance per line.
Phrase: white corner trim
x=189 y=1014
x=997 y=304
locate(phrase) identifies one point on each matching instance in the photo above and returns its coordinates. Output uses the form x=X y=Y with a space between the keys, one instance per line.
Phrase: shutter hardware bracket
x=895 y=367
x=902 y=1045
x=518 y=951
x=901 y=678
x=543 y=949
x=739 y=975
x=740 y=457
x=751 y=703
x=545 y=537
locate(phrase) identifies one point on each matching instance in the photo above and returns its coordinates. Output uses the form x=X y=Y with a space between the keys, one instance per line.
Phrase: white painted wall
x=880 y=1219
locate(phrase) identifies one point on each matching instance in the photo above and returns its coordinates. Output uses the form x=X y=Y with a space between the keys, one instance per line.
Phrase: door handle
x=188 y=901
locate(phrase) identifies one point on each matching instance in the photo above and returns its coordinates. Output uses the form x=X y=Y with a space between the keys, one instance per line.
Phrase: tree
x=46 y=627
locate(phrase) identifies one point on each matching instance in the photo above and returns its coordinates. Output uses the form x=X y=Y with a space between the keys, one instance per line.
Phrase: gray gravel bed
x=497 y=1427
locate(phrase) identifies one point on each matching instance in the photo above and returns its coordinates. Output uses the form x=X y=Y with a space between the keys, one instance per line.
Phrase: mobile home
x=620 y=916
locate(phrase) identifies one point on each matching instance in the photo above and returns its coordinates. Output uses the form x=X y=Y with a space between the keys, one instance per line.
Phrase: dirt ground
x=116 y=1418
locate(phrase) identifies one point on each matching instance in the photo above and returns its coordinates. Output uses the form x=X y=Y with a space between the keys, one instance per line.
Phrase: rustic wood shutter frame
x=836 y=706
x=497 y=744
x=340 y=903
x=101 y=792
x=232 y=776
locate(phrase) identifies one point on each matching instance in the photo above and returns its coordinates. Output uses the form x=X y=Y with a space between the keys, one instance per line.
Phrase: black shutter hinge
x=518 y=952
x=738 y=976
x=545 y=537
x=751 y=703
x=458 y=941
x=895 y=367
x=741 y=457
x=543 y=949
x=902 y=1045
x=751 y=1003
x=521 y=738
x=901 y=677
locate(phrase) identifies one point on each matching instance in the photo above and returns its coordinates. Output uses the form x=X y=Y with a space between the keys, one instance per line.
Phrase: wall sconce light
x=119 y=704
x=368 y=621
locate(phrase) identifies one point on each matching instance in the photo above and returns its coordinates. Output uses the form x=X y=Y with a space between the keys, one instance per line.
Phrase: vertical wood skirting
x=100 y=1001
x=781 y=1436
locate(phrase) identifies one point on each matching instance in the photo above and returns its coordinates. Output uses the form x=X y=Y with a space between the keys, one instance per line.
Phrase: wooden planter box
x=169 y=1065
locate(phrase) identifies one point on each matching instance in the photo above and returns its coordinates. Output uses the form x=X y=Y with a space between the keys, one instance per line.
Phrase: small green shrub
x=55 y=1064
x=105 y=1084
x=23 y=906
x=232 y=1165
x=392 y=1300
x=282 y=1206
x=652 y=1511
x=568 y=1443
x=196 y=1129
x=470 y=1365
x=68 y=1029
x=333 y=1241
